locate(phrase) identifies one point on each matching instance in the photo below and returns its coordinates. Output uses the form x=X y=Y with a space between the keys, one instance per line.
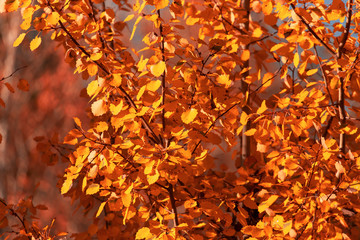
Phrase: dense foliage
x=274 y=83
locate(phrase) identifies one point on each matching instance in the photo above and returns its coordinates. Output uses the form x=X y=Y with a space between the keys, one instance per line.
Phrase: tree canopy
x=272 y=85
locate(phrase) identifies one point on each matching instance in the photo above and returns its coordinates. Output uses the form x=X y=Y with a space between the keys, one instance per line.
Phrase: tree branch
x=312 y=31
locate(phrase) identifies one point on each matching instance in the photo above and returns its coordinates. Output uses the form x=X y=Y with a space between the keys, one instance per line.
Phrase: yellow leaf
x=35 y=43
x=287 y=227
x=135 y=25
x=296 y=60
x=53 y=18
x=128 y=18
x=92 y=87
x=102 y=126
x=126 y=199
x=96 y=56
x=158 y=68
x=141 y=92
x=311 y=72
x=19 y=40
x=143 y=233
x=66 y=185
x=224 y=79
x=102 y=205
x=262 y=108
x=250 y=132
x=99 y=107
x=257 y=33
x=115 y=109
x=116 y=80
x=189 y=115
x=142 y=64
x=244 y=118
x=153 y=85
x=92 y=189
x=153 y=178
x=264 y=205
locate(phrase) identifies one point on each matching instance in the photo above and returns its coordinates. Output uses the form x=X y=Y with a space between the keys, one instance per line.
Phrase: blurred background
x=46 y=109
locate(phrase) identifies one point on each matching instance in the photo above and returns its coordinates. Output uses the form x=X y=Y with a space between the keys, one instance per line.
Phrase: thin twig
x=312 y=31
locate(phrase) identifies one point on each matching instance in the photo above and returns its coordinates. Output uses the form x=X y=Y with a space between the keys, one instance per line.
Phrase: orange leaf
x=92 y=69
x=53 y=18
x=23 y=85
x=189 y=115
x=160 y=4
x=35 y=43
x=245 y=55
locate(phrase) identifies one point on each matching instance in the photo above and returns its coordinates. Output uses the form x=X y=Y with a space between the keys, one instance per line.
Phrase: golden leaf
x=224 y=79
x=66 y=185
x=99 y=107
x=266 y=204
x=19 y=40
x=250 y=132
x=296 y=60
x=153 y=85
x=53 y=18
x=35 y=43
x=92 y=87
x=143 y=233
x=158 y=68
x=189 y=115
x=92 y=189
x=153 y=178
x=262 y=108
x=101 y=207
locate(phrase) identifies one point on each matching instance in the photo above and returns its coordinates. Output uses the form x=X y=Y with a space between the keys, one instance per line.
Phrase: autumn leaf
x=266 y=204
x=35 y=43
x=66 y=185
x=19 y=39
x=92 y=189
x=189 y=115
x=101 y=208
x=143 y=233
x=23 y=85
x=158 y=68
x=99 y=107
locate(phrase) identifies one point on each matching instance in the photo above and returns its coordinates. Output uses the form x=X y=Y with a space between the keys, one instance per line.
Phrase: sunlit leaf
x=158 y=68
x=189 y=115
x=35 y=43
